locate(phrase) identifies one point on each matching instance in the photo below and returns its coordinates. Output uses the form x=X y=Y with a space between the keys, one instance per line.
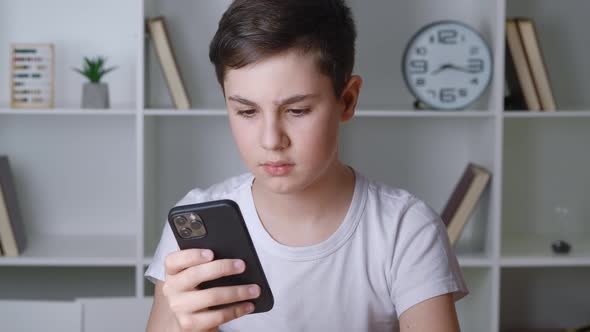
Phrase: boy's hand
x=185 y=270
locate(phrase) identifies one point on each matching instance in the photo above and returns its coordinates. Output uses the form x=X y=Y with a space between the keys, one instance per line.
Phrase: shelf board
x=147 y=260
x=358 y=113
x=423 y=114
x=544 y=262
x=531 y=250
x=191 y=112
x=557 y=114
x=76 y=250
x=67 y=111
x=474 y=260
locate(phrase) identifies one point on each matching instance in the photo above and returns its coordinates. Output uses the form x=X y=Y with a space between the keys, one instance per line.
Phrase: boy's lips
x=277 y=168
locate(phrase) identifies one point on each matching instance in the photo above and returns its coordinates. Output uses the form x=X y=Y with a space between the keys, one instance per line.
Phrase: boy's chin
x=282 y=185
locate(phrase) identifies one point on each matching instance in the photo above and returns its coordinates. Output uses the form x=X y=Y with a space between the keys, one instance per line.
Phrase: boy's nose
x=273 y=136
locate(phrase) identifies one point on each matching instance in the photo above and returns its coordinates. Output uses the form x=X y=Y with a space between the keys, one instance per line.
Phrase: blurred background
x=96 y=165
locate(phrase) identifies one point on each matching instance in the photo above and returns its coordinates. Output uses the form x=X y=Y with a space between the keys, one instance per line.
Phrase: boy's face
x=285 y=119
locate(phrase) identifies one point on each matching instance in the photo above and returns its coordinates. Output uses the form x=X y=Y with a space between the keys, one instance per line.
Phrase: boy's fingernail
x=238 y=265
x=207 y=254
x=253 y=290
x=249 y=308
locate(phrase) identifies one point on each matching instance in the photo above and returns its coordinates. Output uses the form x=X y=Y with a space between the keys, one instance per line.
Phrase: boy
x=340 y=252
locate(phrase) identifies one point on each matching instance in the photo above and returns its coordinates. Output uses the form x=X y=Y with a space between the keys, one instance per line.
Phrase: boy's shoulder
x=389 y=192
x=227 y=188
x=392 y=199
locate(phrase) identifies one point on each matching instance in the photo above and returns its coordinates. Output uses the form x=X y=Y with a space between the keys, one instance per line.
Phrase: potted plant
x=94 y=93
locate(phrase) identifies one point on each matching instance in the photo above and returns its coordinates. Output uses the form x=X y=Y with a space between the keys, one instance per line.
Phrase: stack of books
x=12 y=233
x=527 y=82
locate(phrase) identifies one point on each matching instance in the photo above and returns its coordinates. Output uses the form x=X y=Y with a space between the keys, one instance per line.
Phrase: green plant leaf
x=93 y=69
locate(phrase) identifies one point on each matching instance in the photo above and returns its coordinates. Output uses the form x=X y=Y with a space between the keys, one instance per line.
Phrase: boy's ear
x=350 y=96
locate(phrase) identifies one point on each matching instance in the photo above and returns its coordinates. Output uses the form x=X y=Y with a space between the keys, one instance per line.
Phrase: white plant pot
x=95 y=95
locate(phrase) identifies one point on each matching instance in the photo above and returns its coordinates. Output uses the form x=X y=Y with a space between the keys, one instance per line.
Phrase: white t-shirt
x=390 y=252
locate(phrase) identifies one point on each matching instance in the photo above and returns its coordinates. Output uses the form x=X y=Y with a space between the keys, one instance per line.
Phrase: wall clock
x=447 y=65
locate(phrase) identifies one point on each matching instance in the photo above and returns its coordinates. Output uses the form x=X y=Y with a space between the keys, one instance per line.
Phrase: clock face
x=447 y=65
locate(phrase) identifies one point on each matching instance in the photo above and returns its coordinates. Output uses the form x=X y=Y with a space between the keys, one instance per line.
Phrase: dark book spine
x=515 y=98
x=9 y=193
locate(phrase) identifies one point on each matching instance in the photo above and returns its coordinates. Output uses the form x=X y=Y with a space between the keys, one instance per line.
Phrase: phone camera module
x=189 y=225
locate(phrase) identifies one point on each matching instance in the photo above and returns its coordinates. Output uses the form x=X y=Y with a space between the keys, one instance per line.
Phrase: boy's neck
x=315 y=212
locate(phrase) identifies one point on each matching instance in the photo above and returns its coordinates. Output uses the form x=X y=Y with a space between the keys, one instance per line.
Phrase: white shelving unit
x=96 y=185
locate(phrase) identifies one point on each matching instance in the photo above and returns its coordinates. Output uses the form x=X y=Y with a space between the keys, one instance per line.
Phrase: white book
x=161 y=40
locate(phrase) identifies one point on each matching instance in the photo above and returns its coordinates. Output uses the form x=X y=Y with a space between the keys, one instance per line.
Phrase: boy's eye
x=247 y=113
x=298 y=111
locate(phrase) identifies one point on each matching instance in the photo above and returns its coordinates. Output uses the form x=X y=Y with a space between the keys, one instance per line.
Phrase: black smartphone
x=219 y=226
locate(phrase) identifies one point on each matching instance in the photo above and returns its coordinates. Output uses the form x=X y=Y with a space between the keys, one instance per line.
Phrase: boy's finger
x=191 y=302
x=183 y=259
x=214 y=318
x=195 y=275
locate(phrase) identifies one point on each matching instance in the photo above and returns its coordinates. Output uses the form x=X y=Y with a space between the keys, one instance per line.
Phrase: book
x=464 y=198
x=161 y=40
x=12 y=232
x=517 y=66
x=513 y=94
x=532 y=48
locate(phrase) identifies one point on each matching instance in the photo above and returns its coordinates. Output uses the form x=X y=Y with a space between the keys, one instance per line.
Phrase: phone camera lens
x=186 y=232
x=180 y=220
x=196 y=224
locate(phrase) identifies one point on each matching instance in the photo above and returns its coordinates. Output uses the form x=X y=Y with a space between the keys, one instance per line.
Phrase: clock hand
x=452 y=66
x=441 y=68
x=463 y=69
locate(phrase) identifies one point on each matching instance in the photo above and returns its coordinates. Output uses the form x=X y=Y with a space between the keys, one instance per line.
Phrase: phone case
x=227 y=236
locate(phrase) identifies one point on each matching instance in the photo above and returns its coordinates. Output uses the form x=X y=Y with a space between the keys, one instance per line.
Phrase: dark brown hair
x=252 y=30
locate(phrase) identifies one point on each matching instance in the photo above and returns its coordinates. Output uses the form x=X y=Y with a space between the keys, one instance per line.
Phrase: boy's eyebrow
x=286 y=101
x=242 y=100
x=296 y=99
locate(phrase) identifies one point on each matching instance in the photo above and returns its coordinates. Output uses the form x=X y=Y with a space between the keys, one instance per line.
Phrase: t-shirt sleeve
x=167 y=244
x=424 y=264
